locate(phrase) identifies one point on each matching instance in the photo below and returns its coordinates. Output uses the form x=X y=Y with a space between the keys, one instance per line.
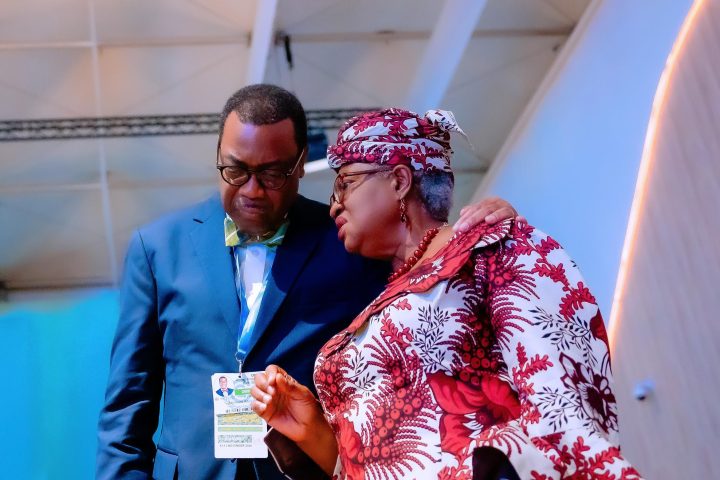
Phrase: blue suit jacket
x=178 y=325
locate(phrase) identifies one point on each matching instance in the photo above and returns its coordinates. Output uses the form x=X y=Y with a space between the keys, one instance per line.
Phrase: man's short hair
x=264 y=104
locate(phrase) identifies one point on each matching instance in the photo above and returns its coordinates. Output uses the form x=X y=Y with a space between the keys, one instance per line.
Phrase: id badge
x=239 y=432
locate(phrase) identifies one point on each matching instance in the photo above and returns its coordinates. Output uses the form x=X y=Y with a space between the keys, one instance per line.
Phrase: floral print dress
x=494 y=341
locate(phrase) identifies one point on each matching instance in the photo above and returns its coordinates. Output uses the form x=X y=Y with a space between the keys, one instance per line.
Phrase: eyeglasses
x=340 y=187
x=270 y=178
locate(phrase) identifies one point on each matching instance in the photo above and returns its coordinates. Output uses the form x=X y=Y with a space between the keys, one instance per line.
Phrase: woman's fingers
x=265 y=380
x=273 y=389
x=261 y=395
x=259 y=408
x=271 y=372
x=284 y=381
x=261 y=380
x=286 y=385
x=265 y=403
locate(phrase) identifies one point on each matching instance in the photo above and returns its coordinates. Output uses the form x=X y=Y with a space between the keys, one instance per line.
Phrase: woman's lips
x=340 y=223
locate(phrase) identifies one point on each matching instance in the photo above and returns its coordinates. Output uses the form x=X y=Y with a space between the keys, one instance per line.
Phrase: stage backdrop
x=54 y=355
x=666 y=328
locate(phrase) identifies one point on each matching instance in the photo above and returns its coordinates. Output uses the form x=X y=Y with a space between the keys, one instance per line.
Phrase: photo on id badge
x=239 y=432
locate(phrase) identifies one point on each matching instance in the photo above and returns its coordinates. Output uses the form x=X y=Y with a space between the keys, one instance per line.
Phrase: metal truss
x=143 y=126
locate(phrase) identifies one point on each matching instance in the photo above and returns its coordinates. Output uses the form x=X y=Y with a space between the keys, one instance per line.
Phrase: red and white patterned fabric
x=494 y=341
x=396 y=137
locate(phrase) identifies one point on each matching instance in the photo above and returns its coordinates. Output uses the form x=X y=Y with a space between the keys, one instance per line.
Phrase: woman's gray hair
x=435 y=190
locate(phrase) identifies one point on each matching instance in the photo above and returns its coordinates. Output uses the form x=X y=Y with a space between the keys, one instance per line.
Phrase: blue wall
x=54 y=356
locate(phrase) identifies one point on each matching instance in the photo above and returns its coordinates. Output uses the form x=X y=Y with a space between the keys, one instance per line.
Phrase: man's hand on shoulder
x=490 y=210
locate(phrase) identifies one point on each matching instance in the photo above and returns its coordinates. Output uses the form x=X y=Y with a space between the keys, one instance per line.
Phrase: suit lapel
x=216 y=261
x=299 y=242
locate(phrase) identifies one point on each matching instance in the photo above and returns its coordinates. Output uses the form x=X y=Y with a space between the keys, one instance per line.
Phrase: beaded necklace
x=417 y=254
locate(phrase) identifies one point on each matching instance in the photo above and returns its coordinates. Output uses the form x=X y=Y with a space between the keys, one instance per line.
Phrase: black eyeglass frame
x=338 y=195
x=258 y=173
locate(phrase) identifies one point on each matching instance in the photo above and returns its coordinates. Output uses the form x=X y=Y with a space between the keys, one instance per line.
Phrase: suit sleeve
x=129 y=417
x=552 y=339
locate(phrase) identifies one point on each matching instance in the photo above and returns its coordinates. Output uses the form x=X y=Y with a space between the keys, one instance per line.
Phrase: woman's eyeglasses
x=340 y=187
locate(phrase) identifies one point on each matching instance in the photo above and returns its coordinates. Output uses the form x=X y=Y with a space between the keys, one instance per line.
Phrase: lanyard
x=248 y=263
x=245 y=330
x=253 y=258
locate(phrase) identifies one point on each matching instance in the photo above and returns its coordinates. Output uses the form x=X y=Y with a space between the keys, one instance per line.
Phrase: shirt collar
x=235 y=238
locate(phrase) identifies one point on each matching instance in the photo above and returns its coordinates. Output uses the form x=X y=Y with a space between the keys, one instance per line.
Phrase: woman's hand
x=286 y=405
x=490 y=210
x=292 y=409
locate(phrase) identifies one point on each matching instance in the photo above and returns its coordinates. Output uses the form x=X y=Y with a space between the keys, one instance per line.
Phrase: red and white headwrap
x=396 y=137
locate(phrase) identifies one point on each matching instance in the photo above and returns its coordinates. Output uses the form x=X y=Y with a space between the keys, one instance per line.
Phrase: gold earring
x=403 y=211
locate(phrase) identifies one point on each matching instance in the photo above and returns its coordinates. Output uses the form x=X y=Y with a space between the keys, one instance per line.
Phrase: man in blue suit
x=273 y=289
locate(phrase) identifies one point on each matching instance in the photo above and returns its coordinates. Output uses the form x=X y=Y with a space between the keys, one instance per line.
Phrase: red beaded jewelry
x=417 y=254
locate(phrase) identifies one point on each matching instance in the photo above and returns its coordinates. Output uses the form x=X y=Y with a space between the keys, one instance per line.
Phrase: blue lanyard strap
x=240 y=244
x=247 y=322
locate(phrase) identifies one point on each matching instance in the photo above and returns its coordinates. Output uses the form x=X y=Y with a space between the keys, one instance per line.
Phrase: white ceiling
x=67 y=207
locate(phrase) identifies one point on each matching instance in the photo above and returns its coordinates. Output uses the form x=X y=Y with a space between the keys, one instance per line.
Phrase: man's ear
x=402 y=180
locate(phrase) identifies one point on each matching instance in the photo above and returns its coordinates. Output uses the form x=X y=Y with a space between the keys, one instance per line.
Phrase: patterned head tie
x=396 y=137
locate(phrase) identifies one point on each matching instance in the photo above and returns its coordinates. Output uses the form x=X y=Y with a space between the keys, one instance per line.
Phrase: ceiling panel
x=488 y=100
x=570 y=9
x=347 y=75
x=41 y=21
x=138 y=20
x=524 y=14
x=161 y=160
x=53 y=238
x=52 y=162
x=330 y=16
x=152 y=80
x=46 y=83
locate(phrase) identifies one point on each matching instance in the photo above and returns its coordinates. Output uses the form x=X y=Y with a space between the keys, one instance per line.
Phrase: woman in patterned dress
x=483 y=341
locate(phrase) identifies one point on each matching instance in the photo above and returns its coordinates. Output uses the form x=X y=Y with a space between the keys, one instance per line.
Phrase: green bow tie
x=233 y=238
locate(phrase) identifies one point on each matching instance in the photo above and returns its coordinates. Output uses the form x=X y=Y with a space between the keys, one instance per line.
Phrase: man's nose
x=252 y=188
